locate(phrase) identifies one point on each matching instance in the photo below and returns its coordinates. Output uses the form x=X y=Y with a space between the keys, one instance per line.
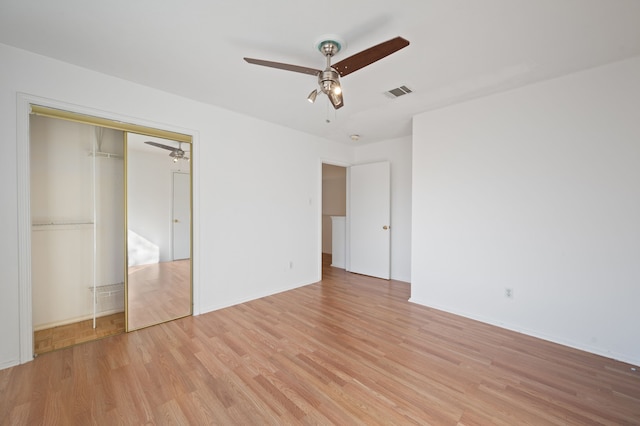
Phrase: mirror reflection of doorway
x=181 y=216
x=158 y=230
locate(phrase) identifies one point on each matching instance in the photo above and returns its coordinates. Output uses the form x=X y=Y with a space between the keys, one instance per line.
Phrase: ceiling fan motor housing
x=328 y=80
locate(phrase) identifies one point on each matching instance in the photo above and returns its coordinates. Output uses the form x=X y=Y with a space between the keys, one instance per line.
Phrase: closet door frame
x=98 y=117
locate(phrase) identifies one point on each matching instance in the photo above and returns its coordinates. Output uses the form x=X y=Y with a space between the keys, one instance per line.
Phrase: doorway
x=334 y=212
x=359 y=215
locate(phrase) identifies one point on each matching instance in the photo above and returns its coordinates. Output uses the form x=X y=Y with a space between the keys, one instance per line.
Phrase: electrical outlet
x=508 y=293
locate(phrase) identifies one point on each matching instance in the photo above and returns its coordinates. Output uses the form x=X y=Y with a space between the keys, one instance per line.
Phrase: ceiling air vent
x=398 y=91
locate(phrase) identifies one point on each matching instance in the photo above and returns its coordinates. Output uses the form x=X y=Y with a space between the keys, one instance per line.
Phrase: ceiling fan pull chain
x=328 y=111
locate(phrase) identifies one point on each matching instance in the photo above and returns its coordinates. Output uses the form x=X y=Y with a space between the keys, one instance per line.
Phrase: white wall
x=257 y=186
x=537 y=190
x=398 y=153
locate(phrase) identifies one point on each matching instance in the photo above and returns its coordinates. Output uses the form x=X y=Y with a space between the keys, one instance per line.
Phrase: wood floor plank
x=63 y=336
x=347 y=350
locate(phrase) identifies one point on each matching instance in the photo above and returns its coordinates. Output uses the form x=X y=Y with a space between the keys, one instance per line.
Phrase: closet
x=104 y=197
x=77 y=238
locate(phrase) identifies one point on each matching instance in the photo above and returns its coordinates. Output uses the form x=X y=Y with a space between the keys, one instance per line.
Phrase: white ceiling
x=460 y=49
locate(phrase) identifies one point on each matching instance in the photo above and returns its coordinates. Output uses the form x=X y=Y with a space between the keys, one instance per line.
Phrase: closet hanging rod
x=61 y=223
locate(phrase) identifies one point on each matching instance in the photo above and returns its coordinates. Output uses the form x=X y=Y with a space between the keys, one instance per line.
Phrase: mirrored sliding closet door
x=158 y=230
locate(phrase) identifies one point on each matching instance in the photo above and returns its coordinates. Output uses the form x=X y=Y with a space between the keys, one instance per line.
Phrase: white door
x=181 y=216
x=369 y=219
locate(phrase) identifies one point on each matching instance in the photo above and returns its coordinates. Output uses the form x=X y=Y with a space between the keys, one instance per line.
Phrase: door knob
x=176 y=220
x=386 y=227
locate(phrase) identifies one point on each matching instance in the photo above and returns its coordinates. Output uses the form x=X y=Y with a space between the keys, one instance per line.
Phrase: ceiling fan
x=329 y=79
x=176 y=153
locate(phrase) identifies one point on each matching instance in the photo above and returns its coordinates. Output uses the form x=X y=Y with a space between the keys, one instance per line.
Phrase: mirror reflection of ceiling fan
x=329 y=79
x=176 y=153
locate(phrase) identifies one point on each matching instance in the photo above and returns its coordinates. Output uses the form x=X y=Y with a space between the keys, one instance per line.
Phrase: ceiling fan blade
x=287 y=67
x=159 y=145
x=369 y=56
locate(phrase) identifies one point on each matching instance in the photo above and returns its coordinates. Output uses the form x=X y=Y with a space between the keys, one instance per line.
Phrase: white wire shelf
x=57 y=226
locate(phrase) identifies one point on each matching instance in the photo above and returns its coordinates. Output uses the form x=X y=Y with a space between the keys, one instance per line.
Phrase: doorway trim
x=23 y=111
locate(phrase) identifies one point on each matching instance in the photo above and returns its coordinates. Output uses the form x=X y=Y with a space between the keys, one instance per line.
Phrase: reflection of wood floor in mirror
x=62 y=336
x=158 y=292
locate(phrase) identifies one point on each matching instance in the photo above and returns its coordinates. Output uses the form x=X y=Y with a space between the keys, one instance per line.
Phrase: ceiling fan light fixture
x=312 y=96
x=336 y=99
x=178 y=154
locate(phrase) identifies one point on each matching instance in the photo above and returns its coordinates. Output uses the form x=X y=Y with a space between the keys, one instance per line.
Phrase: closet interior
x=77 y=239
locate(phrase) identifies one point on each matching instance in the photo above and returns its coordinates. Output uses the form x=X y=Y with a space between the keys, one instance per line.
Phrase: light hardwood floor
x=348 y=350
